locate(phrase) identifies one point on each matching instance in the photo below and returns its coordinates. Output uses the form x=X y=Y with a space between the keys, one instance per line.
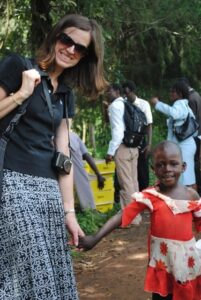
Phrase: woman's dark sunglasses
x=68 y=41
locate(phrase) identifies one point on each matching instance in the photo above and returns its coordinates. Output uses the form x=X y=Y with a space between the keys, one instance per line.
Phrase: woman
x=34 y=256
x=177 y=114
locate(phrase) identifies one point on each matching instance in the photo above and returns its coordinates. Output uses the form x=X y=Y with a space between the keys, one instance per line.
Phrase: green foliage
x=147 y=41
x=152 y=42
x=90 y=113
x=15 y=25
x=90 y=220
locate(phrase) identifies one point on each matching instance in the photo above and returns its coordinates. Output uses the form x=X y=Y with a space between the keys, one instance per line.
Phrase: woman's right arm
x=177 y=111
x=30 y=79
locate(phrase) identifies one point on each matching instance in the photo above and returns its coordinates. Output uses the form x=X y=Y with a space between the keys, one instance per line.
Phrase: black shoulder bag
x=187 y=129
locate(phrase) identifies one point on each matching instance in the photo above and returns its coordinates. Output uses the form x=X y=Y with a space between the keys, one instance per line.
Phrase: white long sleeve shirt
x=116 y=117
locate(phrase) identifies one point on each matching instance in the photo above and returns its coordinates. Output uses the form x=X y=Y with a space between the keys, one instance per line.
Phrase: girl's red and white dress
x=174 y=260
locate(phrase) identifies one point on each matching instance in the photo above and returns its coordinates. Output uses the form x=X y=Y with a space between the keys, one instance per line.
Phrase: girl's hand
x=87 y=242
x=30 y=79
x=73 y=228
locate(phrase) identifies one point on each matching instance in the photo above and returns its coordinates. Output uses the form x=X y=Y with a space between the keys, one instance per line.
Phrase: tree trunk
x=41 y=22
x=84 y=130
x=92 y=139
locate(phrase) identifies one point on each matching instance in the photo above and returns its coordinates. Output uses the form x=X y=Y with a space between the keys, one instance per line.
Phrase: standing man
x=125 y=158
x=129 y=89
x=195 y=105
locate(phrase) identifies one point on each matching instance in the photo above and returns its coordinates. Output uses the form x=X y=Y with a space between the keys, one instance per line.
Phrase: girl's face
x=72 y=44
x=168 y=166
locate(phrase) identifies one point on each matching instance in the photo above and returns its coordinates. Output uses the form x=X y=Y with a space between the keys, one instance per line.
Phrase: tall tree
x=152 y=42
x=41 y=22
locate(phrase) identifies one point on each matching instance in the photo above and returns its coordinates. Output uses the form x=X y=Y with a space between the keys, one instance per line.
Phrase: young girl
x=174 y=268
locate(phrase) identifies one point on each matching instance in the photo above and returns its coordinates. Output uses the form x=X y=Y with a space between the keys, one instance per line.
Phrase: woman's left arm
x=66 y=185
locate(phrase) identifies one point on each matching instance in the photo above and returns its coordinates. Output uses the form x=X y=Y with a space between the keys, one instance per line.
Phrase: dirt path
x=115 y=269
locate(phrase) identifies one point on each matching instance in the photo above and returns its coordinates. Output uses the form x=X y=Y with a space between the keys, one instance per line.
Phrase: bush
x=90 y=220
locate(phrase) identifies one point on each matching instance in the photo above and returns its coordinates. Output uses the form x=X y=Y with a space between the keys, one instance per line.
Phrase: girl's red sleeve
x=131 y=211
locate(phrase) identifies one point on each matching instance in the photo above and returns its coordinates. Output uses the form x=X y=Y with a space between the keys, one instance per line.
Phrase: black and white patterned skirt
x=35 y=262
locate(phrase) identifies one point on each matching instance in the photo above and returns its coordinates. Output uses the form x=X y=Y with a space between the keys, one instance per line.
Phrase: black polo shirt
x=30 y=148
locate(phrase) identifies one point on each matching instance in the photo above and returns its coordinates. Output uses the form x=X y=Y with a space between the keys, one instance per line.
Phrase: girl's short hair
x=88 y=74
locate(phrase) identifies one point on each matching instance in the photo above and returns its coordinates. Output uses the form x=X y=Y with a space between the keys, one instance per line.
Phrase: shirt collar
x=62 y=87
x=137 y=100
x=118 y=99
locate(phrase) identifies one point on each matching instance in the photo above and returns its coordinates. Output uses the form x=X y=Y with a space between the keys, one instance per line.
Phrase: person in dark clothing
x=129 y=88
x=195 y=105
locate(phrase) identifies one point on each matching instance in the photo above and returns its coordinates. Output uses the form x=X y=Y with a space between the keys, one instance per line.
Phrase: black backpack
x=135 y=125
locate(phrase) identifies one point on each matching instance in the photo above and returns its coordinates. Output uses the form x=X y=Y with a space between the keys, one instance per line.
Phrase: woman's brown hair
x=88 y=74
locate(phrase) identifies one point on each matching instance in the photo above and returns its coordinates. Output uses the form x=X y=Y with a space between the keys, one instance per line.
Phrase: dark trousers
x=143 y=171
x=198 y=164
x=158 y=297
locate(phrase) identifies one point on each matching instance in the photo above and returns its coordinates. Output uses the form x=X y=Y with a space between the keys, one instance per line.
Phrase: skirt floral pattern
x=182 y=259
x=35 y=262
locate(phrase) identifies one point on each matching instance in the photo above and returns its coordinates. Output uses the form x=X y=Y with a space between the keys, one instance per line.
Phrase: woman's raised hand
x=30 y=79
x=153 y=100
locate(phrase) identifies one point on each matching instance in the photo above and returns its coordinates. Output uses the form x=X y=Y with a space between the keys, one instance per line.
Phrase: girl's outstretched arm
x=88 y=242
